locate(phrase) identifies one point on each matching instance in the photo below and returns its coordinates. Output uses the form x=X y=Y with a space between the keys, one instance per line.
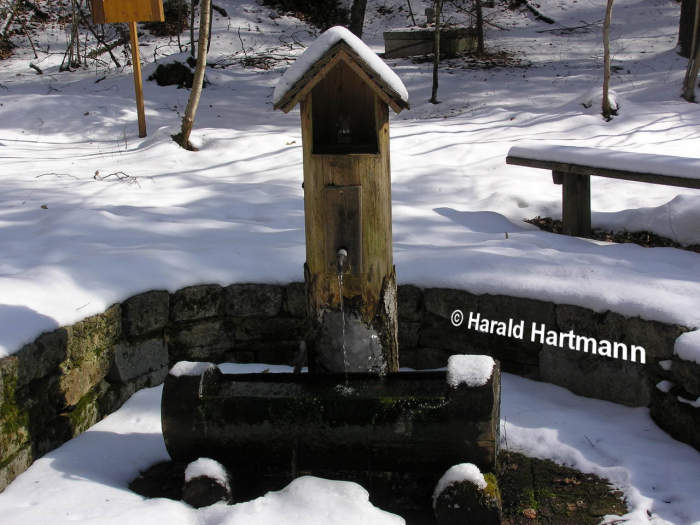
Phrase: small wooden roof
x=336 y=45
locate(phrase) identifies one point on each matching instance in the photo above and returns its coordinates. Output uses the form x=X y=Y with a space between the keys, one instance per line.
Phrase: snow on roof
x=687 y=168
x=457 y=474
x=321 y=46
x=472 y=370
x=208 y=468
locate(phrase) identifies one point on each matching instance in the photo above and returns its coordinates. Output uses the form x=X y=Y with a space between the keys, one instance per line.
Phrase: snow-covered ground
x=91 y=214
x=86 y=480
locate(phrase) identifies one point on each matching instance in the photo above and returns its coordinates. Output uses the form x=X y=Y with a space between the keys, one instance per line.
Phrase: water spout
x=341 y=257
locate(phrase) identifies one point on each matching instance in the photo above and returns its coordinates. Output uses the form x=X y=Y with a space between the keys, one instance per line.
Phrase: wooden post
x=138 y=81
x=576 y=204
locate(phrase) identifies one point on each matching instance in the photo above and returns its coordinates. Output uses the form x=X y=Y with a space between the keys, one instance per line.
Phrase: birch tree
x=436 y=49
x=608 y=110
x=183 y=138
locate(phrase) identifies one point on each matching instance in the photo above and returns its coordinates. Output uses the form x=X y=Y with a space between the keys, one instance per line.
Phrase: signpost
x=130 y=11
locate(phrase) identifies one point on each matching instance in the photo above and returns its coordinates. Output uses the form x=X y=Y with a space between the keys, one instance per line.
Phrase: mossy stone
x=463 y=503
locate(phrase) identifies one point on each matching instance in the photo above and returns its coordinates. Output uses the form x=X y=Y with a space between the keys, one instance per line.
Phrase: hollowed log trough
x=305 y=423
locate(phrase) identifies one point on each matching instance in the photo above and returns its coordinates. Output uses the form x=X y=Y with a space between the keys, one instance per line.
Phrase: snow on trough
x=458 y=474
x=470 y=370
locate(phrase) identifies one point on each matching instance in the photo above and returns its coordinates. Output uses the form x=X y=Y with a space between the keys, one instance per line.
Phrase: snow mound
x=687 y=346
x=678 y=219
x=471 y=370
x=321 y=45
x=457 y=474
x=307 y=500
x=208 y=468
x=593 y=100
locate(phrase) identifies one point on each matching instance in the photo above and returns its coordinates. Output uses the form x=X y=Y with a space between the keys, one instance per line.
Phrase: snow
x=190 y=368
x=233 y=212
x=471 y=370
x=159 y=217
x=321 y=46
x=458 y=474
x=687 y=346
x=196 y=368
x=687 y=168
x=665 y=386
x=666 y=364
x=694 y=404
x=208 y=468
x=86 y=480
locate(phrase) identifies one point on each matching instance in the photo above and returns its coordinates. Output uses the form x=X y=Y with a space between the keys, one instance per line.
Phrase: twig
x=410 y=12
x=107 y=47
x=589 y=441
x=241 y=39
x=36 y=68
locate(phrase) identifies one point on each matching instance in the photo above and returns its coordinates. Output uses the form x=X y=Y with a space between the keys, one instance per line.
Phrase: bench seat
x=572 y=167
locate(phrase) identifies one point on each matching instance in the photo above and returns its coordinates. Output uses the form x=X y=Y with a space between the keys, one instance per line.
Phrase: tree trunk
x=436 y=50
x=192 y=3
x=357 y=16
x=479 y=27
x=685 y=27
x=183 y=138
x=608 y=110
x=691 y=74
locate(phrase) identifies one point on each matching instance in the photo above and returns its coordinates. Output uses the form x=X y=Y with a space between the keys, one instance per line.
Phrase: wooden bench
x=573 y=166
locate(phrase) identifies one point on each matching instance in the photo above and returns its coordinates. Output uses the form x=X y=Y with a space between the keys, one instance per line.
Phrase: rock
x=423 y=358
x=173 y=74
x=295 y=300
x=132 y=360
x=269 y=329
x=410 y=300
x=464 y=503
x=409 y=334
x=596 y=376
x=444 y=301
x=145 y=313
x=40 y=358
x=94 y=334
x=686 y=374
x=206 y=482
x=679 y=419
x=196 y=302
x=207 y=340
x=253 y=300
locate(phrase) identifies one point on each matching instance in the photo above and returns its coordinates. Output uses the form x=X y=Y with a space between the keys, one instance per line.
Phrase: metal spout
x=341 y=257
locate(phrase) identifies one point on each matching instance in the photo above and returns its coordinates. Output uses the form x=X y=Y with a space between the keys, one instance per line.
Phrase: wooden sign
x=131 y=11
x=116 y=11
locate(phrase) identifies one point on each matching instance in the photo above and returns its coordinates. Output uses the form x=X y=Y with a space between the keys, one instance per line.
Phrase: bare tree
x=691 y=74
x=608 y=110
x=357 y=16
x=436 y=51
x=479 y=27
x=183 y=138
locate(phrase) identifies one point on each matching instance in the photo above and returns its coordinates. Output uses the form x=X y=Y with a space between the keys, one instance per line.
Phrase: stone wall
x=66 y=380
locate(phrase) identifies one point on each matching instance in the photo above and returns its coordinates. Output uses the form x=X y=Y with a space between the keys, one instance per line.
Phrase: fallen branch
x=36 y=68
x=537 y=13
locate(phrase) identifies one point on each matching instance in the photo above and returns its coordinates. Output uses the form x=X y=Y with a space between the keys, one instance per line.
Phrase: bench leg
x=576 y=204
